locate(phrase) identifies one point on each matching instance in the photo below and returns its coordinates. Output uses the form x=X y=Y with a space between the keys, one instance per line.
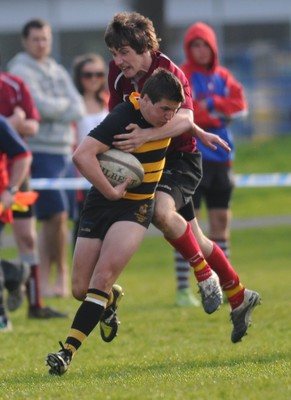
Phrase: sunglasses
x=90 y=75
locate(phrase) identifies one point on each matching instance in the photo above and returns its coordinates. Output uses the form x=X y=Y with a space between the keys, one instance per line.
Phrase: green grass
x=163 y=352
x=265 y=155
x=261 y=202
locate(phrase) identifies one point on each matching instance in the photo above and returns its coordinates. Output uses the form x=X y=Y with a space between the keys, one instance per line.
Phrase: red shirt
x=14 y=92
x=120 y=88
x=11 y=148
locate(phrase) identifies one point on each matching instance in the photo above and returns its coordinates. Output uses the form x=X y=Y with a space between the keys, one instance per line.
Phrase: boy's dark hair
x=162 y=84
x=131 y=29
x=37 y=23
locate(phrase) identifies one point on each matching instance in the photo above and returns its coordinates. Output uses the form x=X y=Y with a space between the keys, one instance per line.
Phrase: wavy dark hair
x=131 y=29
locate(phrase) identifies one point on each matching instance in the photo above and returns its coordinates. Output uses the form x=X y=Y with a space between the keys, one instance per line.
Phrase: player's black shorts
x=181 y=176
x=216 y=186
x=99 y=214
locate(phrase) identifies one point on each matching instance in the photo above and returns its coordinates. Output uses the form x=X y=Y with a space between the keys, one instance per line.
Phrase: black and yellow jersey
x=151 y=155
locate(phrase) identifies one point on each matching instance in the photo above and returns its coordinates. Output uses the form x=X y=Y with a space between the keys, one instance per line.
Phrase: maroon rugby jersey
x=14 y=92
x=120 y=88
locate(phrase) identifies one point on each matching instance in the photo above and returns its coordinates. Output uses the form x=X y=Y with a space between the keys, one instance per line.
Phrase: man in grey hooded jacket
x=59 y=105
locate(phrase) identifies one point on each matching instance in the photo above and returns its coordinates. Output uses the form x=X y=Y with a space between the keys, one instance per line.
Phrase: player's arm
x=210 y=139
x=24 y=126
x=19 y=159
x=180 y=123
x=18 y=170
x=85 y=159
x=29 y=128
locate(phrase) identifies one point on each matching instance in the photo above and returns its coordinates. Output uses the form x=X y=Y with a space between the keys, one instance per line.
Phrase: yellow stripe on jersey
x=155 y=166
x=152 y=157
x=155 y=145
x=153 y=176
x=136 y=196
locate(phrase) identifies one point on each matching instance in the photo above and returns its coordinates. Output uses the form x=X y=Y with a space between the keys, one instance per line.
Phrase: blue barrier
x=241 y=180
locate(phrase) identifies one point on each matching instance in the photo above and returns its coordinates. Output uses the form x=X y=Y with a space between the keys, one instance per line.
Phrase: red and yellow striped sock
x=188 y=246
x=235 y=296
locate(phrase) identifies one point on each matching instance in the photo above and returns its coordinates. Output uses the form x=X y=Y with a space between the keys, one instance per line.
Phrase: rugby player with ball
x=112 y=213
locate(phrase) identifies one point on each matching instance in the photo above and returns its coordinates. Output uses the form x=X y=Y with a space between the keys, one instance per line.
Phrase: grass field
x=265 y=155
x=164 y=352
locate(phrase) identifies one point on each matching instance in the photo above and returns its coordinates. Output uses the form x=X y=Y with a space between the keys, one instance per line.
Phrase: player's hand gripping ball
x=117 y=166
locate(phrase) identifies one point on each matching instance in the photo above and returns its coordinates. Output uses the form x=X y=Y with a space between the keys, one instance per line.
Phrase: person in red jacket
x=218 y=99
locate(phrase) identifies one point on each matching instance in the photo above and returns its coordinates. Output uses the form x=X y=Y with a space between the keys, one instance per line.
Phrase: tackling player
x=132 y=41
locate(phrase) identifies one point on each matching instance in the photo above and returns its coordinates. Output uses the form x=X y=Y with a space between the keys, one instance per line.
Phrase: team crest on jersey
x=142 y=213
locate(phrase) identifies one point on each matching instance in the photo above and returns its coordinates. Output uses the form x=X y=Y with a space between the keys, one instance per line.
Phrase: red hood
x=204 y=32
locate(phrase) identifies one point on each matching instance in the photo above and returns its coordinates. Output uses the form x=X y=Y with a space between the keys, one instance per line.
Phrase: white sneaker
x=241 y=316
x=211 y=293
x=185 y=298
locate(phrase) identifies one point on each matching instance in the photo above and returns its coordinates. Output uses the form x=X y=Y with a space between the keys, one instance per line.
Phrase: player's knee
x=78 y=292
x=26 y=243
x=160 y=219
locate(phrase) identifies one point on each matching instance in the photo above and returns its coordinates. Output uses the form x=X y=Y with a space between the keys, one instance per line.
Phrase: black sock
x=86 y=318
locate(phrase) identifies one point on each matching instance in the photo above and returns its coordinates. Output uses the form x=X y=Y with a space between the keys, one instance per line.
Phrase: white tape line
x=241 y=180
x=263 y=180
x=61 y=183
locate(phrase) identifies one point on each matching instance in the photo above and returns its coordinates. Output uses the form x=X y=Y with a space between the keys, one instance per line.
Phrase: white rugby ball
x=118 y=166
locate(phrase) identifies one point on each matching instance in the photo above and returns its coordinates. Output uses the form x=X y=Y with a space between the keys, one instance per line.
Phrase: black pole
x=155 y=11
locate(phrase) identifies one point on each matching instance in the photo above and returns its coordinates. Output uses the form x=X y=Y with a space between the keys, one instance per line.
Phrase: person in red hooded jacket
x=218 y=99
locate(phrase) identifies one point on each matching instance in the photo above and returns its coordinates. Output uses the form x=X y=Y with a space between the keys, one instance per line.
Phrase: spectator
x=89 y=72
x=13 y=149
x=59 y=105
x=218 y=99
x=17 y=105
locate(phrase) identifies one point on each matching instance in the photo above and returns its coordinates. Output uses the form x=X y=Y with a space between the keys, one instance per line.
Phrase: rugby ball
x=118 y=166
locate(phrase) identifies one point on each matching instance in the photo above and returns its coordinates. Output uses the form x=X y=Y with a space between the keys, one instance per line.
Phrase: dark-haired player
x=114 y=219
x=134 y=46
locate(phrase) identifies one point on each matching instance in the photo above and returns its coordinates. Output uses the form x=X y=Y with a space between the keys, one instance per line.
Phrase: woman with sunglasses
x=90 y=78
